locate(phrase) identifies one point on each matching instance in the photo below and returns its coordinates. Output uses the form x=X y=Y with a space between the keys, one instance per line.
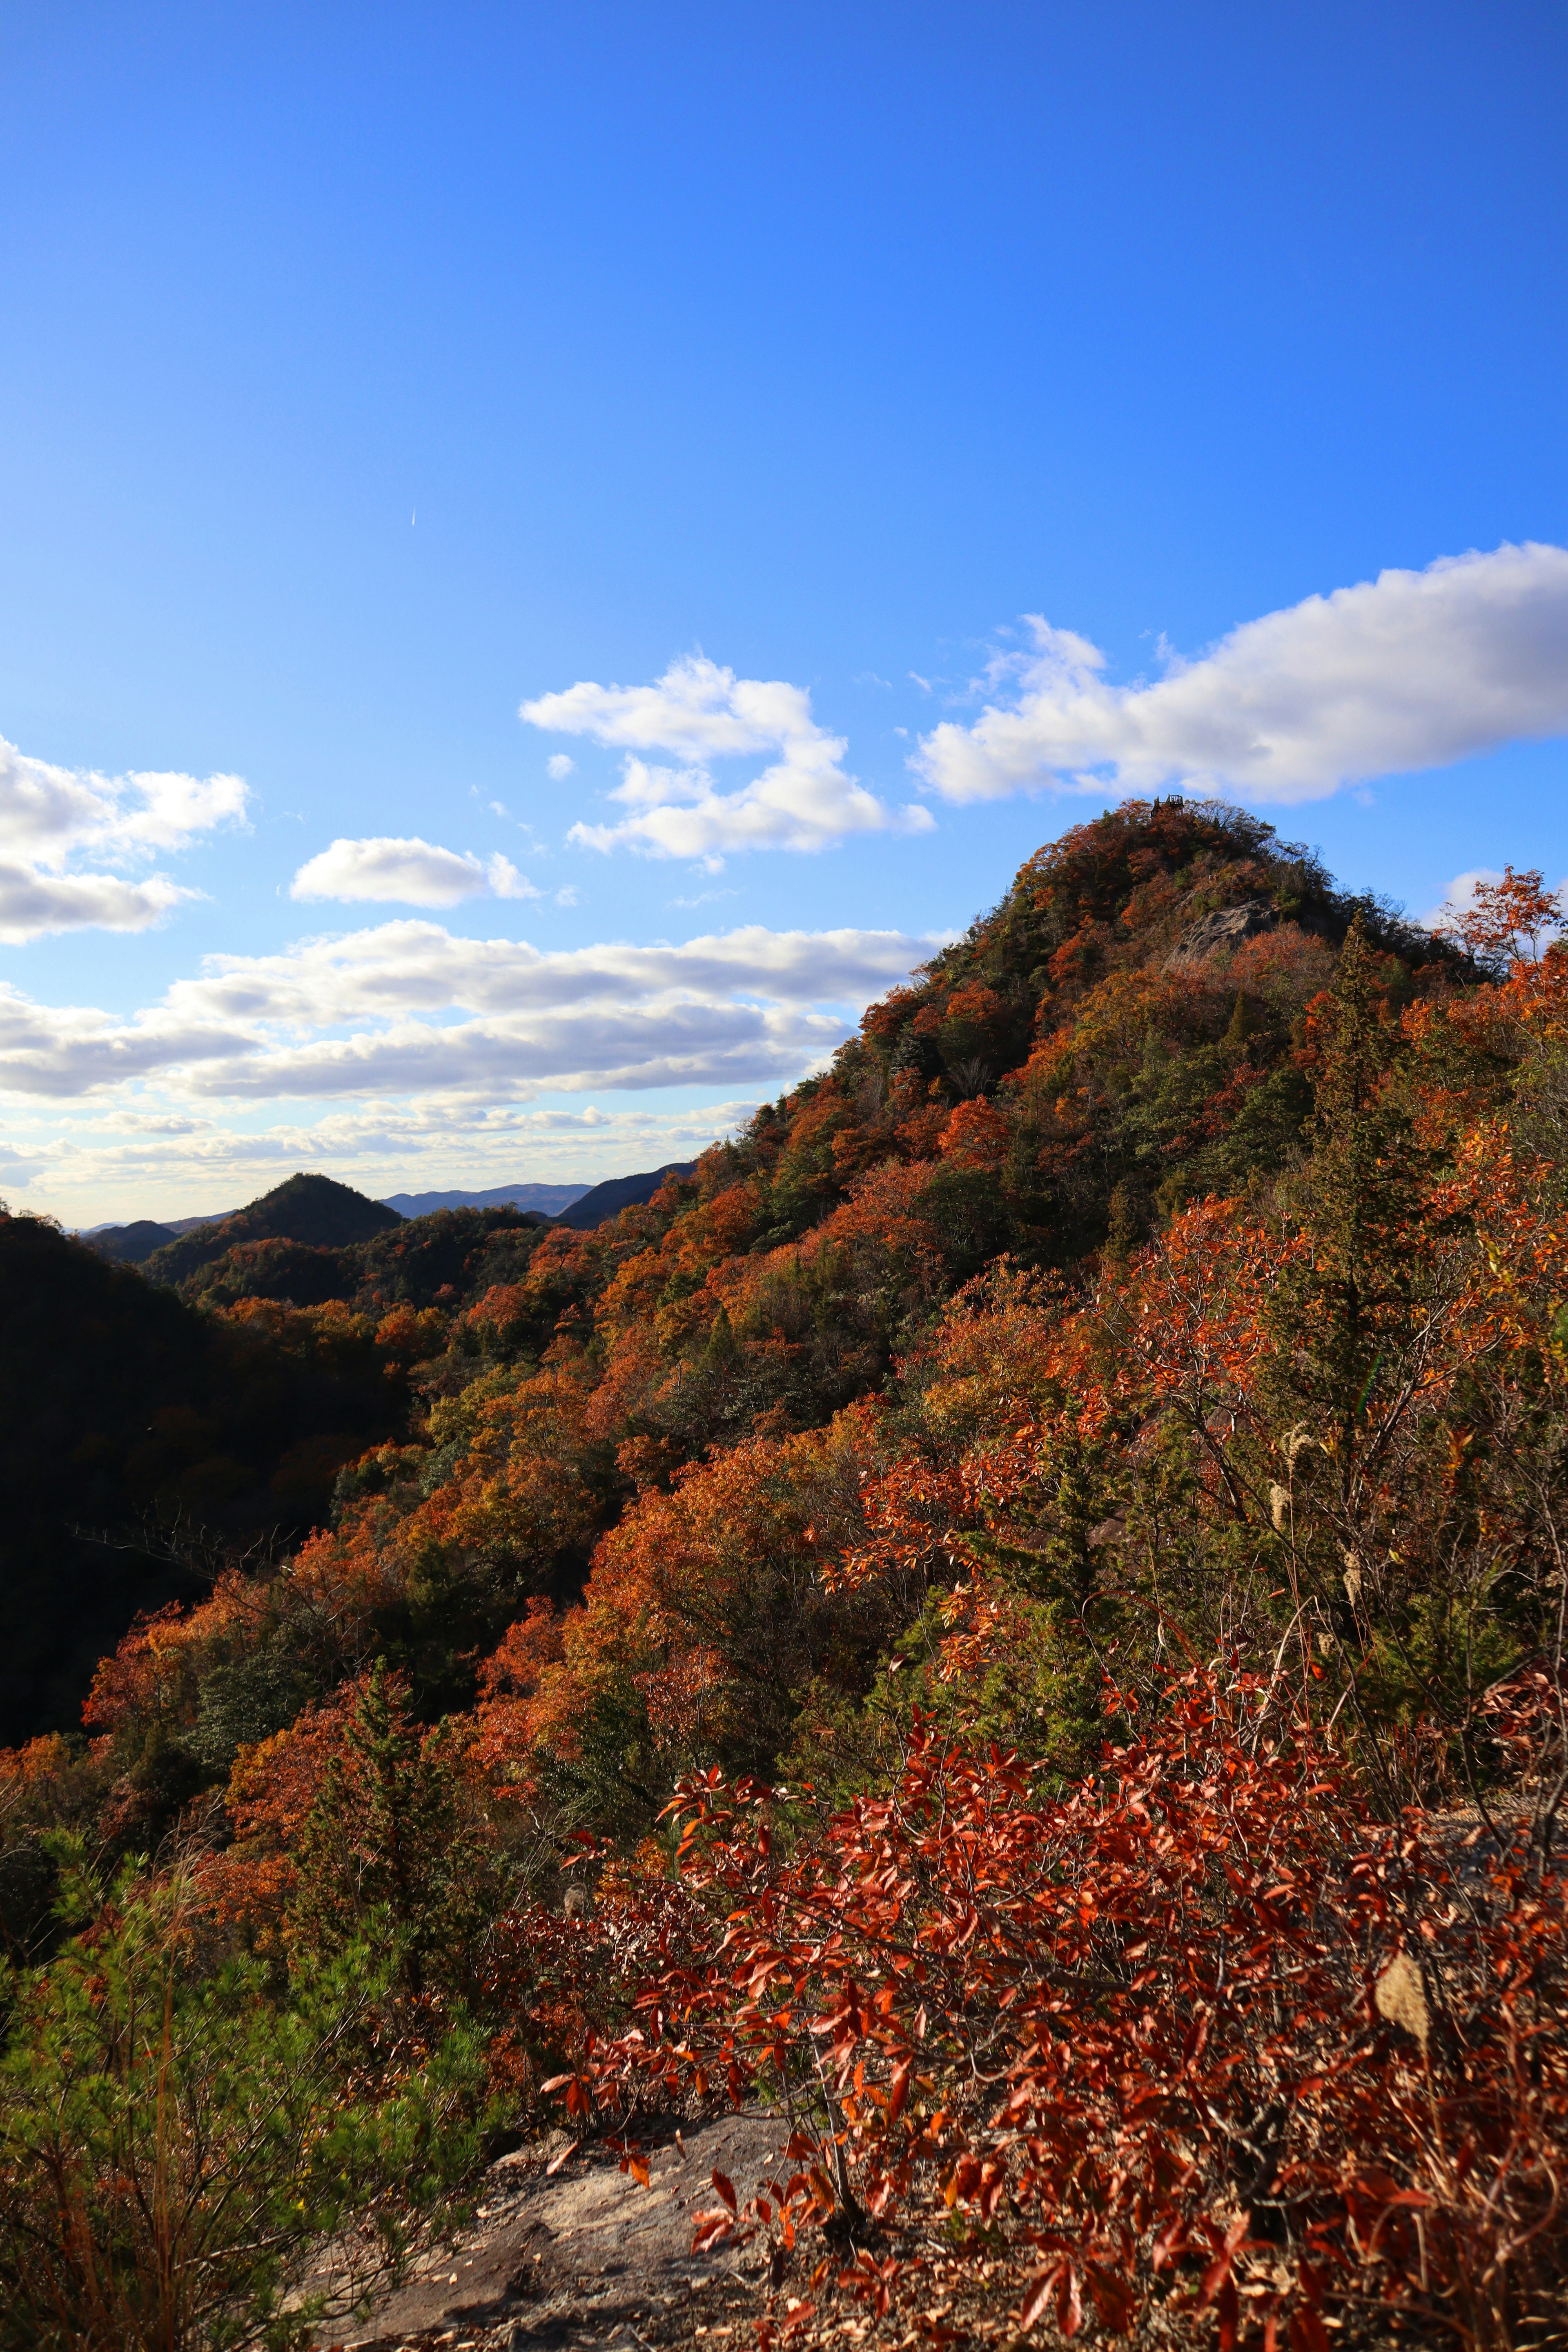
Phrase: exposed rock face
x=1228 y=926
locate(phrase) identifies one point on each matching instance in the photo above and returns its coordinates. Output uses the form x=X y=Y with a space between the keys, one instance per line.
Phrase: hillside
x=313 y=1210
x=129 y=1244
x=1010 y=1582
x=151 y=1430
x=1121 y=1033
x=607 y=1200
x=139 y=1440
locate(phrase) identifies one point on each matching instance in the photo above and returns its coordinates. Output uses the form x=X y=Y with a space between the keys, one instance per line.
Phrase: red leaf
x=722 y=2183
x=1038 y=2296
x=1307 y=2333
x=1115 y=2300
x=712 y=2229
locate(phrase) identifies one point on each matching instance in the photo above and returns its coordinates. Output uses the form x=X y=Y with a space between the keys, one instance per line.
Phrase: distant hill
x=314 y=1209
x=169 y=1224
x=129 y=1244
x=607 y=1200
x=551 y=1199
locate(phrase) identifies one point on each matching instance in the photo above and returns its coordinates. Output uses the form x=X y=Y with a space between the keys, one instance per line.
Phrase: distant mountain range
x=314 y=1209
x=129 y=1244
x=549 y=1198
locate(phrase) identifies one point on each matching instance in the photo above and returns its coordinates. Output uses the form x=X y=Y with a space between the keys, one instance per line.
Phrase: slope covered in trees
x=1030 y=1583
x=312 y=1209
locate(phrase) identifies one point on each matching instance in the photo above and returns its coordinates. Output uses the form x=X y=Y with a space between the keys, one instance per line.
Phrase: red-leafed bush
x=1200 y=2032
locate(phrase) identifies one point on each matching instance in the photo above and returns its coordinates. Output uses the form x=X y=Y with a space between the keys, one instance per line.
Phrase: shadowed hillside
x=137 y=1438
x=617 y=1192
x=129 y=1244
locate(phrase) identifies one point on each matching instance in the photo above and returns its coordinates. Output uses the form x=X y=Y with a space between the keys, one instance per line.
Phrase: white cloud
x=411 y=872
x=560 y=765
x=19 y=1167
x=506 y=882
x=407 y=1007
x=33 y=902
x=115 y=1168
x=60 y=828
x=1409 y=671
x=802 y=800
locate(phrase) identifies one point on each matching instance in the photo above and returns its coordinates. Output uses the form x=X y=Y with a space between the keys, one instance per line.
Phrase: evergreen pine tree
x=385 y=1838
x=1342 y=1312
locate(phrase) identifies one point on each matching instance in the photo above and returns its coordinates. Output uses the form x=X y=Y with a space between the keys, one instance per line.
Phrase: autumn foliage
x=1197 y=2033
x=1017 y=1613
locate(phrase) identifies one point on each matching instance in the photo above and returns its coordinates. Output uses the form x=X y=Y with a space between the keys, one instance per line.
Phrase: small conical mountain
x=315 y=1210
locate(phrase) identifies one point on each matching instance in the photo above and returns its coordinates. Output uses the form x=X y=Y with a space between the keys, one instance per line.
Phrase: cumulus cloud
x=697 y=712
x=560 y=765
x=412 y=872
x=1411 y=670
x=411 y=1008
x=61 y=828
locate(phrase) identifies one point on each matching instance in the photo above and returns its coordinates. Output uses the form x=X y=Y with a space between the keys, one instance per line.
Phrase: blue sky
x=373 y=373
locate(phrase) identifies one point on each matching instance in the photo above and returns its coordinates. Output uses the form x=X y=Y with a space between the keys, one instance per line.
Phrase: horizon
x=554 y=561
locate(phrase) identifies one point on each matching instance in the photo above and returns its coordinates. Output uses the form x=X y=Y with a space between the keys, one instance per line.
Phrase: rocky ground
x=585 y=2259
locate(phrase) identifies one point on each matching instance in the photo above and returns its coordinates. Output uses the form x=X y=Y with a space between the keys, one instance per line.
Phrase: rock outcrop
x=1226 y=928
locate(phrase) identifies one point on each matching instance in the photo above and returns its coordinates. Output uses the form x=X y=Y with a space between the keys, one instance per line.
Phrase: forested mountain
x=312 y=1209
x=1066 y=1506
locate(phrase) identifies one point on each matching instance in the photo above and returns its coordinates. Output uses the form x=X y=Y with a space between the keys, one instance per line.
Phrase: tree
x=1197 y=2017
x=385 y=1840
x=1342 y=1309
x=175 y=2145
x=1506 y=923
